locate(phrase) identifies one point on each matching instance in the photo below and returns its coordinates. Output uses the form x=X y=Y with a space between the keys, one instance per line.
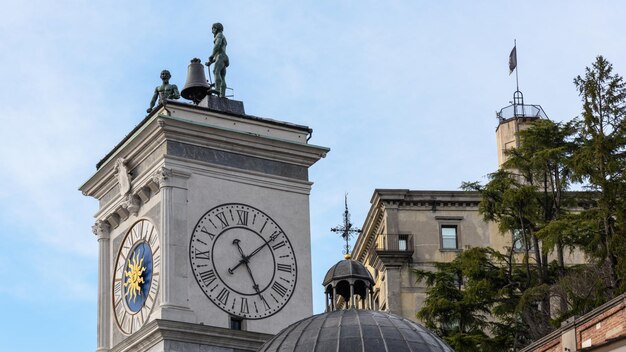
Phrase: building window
x=449 y=237
x=236 y=323
x=520 y=242
x=403 y=242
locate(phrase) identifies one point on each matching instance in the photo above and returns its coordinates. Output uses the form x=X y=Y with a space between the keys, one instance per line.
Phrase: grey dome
x=347 y=269
x=355 y=331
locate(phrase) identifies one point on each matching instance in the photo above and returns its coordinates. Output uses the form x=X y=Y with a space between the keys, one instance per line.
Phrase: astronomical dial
x=137 y=276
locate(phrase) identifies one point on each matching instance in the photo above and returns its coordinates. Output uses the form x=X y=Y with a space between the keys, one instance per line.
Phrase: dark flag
x=513 y=60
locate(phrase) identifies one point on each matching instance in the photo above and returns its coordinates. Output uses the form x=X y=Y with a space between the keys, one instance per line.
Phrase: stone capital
x=102 y=230
x=163 y=177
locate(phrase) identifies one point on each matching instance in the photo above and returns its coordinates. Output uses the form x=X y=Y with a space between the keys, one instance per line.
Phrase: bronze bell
x=196 y=86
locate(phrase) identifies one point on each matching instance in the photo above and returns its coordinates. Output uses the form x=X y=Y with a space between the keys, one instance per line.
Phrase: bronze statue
x=219 y=57
x=164 y=91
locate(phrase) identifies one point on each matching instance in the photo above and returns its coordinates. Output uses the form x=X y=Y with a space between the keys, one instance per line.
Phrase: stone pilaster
x=392 y=223
x=102 y=231
x=394 y=290
x=175 y=269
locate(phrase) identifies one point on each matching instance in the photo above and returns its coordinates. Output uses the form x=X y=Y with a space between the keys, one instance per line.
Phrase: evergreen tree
x=465 y=295
x=487 y=300
x=600 y=162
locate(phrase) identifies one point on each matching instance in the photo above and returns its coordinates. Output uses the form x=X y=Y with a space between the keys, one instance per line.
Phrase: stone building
x=203 y=230
x=414 y=229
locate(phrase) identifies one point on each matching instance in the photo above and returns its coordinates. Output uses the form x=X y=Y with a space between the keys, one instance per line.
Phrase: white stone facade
x=170 y=171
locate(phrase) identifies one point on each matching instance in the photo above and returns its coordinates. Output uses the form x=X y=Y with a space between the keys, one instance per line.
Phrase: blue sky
x=403 y=92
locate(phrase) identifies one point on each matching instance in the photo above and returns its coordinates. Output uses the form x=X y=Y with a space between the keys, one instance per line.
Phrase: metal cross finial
x=346 y=230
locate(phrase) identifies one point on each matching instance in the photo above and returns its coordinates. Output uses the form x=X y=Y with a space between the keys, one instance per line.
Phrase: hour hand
x=244 y=259
x=236 y=243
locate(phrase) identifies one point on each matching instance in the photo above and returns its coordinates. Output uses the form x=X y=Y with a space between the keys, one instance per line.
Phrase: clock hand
x=245 y=259
x=236 y=243
x=255 y=286
x=272 y=238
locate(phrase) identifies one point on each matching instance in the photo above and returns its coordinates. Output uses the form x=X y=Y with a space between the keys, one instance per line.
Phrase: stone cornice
x=409 y=198
x=242 y=176
x=159 y=129
x=383 y=199
x=159 y=330
x=136 y=149
x=247 y=143
x=245 y=117
x=365 y=241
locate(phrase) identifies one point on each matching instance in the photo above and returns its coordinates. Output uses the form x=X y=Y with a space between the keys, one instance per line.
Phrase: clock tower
x=203 y=230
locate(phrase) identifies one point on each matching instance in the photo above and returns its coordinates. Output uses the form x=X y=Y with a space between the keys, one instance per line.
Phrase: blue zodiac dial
x=136 y=279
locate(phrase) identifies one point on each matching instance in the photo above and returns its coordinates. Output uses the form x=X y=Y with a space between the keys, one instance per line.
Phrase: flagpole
x=516 y=64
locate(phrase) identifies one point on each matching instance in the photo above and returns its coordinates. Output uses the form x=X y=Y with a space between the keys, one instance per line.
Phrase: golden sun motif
x=134 y=277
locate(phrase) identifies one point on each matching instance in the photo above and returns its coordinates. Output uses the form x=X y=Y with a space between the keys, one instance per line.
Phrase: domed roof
x=347 y=269
x=355 y=330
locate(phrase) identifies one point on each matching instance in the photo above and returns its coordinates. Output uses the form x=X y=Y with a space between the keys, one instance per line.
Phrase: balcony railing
x=394 y=242
x=521 y=110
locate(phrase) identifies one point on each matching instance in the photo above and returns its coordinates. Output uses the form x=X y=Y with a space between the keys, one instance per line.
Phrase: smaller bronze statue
x=164 y=91
x=219 y=57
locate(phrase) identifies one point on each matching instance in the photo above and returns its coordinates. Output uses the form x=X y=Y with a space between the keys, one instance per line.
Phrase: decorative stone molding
x=144 y=194
x=132 y=201
x=114 y=220
x=122 y=175
x=153 y=186
x=162 y=177
x=122 y=213
x=101 y=229
x=132 y=204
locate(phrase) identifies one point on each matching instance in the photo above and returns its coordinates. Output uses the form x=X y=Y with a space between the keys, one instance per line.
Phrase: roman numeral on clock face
x=203 y=229
x=137 y=321
x=155 y=285
x=280 y=289
x=244 y=306
x=203 y=255
x=223 y=296
x=278 y=245
x=222 y=218
x=208 y=277
x=265 y=305
x=284 y=267
x=153 y=238
x=117 y=287
x=242 y=217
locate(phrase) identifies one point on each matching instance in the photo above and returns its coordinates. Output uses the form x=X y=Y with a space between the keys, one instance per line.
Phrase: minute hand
x=272 y=238
x=245 y=259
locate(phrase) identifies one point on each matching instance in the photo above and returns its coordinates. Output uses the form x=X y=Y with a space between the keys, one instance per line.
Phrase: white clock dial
x=243 y=261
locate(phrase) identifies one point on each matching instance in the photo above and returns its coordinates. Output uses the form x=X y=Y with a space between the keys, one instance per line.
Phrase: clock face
x=136 y=279
x=243 y=261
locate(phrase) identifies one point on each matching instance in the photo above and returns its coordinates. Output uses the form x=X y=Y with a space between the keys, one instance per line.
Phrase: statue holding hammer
x=219 y=57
